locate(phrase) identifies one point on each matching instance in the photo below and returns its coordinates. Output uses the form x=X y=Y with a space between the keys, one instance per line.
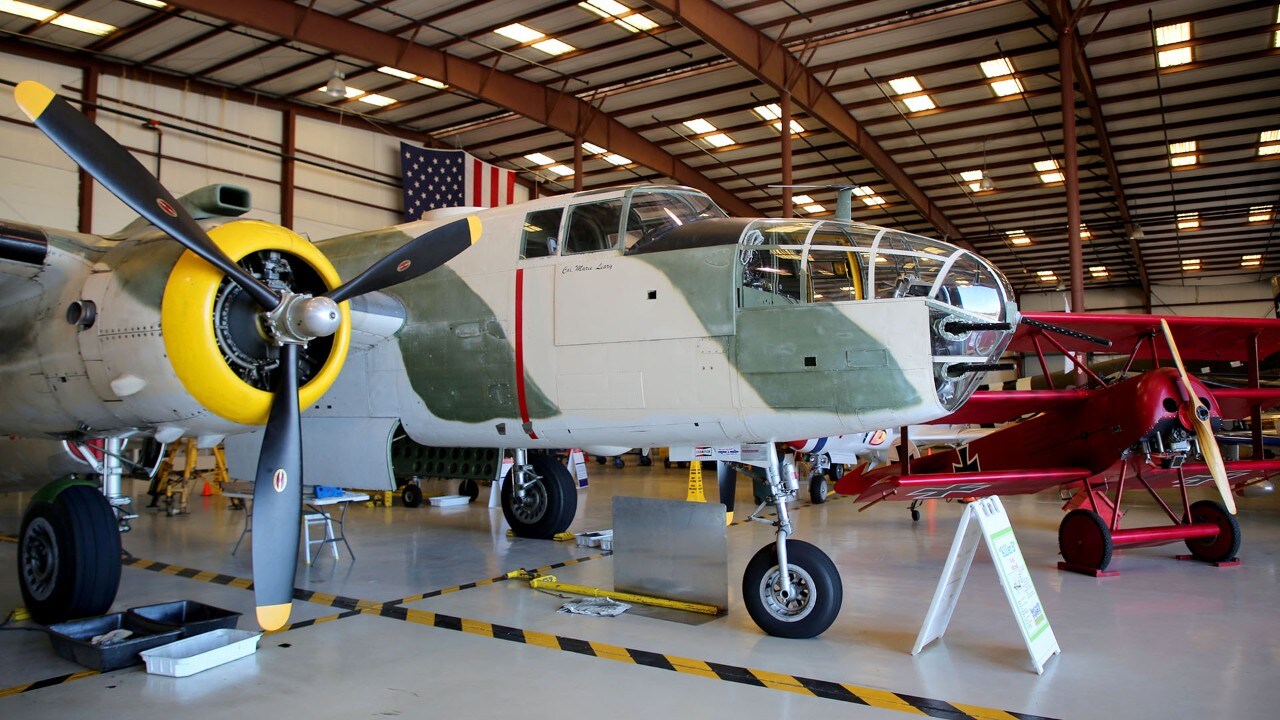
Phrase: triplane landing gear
x=791 y=588
x=1086 y=540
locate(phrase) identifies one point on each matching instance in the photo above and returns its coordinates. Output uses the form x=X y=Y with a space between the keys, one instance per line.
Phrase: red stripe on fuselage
x=520 y=394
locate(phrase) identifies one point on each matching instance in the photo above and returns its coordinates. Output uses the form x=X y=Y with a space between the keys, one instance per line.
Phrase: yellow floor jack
x=173 y=486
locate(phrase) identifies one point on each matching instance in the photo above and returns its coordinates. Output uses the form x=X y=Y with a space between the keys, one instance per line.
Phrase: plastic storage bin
x=201 y=652
x=189 y=616
x=72 y=640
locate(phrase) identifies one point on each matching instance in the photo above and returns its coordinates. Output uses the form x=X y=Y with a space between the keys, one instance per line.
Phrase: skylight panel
x=552 y=46
x=1250 y=260
x=561 y=170
x=375 y=99
x=1260 y=213
x=1048 y=171
x=971 y=175
x=796 y=127
x=768 y=112
x=520 y=33
x=26 y=10
x=635 y=22
x=1183 y=154
x=617 y=159
x=406 y=75
x=1047 y=276
x=906 y=85
x=1269 y=143
x=1017 y=237
x=868 y=196
x=66 y=20
x=814 y=208
x=700 y=126
x=802 y=200
x=1190 y=264
x=1170 y=35
x=539 y=159
x=605 y=8
x=1275 y=42
x=1189 y=221
x=1084 y=232
x=152 y=3
x=1098 y=271
x=997 y=68
x=918 y=103
x=719 y=140
x=593 y=148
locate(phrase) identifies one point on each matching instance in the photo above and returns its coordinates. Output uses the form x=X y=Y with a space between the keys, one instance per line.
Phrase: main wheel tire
x=618 y=462
x=549 y=503
x=69 y=556
x=470 y=488
x=816 y=587
x=645 y=461
x=818 y=489
x=411 y=495
x=1084 y=540
x=1227 y=543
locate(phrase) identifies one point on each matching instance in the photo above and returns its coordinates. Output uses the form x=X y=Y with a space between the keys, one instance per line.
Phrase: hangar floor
x=1163 y=639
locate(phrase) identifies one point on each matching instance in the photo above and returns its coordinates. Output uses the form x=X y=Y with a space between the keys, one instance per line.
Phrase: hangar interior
x=944 y=118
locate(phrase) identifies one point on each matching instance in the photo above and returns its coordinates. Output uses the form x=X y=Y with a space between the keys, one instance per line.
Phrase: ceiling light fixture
x=336 y=88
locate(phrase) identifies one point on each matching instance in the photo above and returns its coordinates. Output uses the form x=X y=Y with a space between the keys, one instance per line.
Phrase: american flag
x=451 y=178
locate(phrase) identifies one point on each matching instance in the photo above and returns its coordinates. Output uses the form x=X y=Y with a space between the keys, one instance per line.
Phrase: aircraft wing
x=1001 y=406
x=892 y=485
x=1239 y=472
x=1198 y=338
x=1236 y=403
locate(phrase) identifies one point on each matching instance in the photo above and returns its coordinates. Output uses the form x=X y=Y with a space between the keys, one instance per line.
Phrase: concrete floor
x=1164 y=639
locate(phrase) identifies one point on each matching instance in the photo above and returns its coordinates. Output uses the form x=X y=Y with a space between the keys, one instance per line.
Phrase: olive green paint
x=456 y=353
x=51 y=491
x=815 y=357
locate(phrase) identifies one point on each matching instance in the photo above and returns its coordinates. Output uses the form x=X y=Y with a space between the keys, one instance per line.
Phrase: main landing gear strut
x=791 y=588
x=1087 y=540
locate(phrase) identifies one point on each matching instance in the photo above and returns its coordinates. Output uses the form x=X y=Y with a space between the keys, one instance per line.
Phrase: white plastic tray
x=201 y=652
x=447 y=500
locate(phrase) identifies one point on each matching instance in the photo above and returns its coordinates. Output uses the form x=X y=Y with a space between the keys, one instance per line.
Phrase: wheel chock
x=558 y=537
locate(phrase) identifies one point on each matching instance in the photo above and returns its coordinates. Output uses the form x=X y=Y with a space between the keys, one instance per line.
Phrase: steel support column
x=772 y=63
x=785 y=105
x=288 y=167
x=559 y=111
x=88 y=93
x=1071 y=164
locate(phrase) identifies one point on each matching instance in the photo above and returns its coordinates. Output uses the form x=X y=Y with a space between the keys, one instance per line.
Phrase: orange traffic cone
x=207 y=490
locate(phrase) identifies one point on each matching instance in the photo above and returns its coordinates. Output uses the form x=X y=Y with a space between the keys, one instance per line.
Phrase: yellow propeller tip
x=273 y=617
x=33 y=98
x=474 y=226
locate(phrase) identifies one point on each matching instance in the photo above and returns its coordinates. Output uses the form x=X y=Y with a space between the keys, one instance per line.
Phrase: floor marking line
x=49 y=682
x=827 y=690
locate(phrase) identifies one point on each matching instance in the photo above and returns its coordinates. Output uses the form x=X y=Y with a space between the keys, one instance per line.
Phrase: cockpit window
x=541 y=231
x=651 y=214
x=593 y=226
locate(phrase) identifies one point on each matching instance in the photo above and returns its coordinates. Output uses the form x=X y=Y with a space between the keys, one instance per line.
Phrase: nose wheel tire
x=547 y=505
x=1226 y=544
x=69 y=556
x=1084 y=540
x=411 y=495
x=816 y=591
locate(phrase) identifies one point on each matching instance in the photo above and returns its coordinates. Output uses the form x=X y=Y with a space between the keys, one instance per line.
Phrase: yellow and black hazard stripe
x=49 y=682
x=842 y=692
x=492 y=580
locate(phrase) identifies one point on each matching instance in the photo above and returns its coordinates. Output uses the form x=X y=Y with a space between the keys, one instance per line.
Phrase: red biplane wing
x=924 y=486
x=1239 y=472
x=1198 y=338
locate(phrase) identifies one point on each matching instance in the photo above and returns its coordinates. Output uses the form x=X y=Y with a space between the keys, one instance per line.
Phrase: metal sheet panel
x=671 y=549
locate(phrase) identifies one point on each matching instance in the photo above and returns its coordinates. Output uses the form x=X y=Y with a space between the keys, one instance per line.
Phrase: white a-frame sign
x=993 y=525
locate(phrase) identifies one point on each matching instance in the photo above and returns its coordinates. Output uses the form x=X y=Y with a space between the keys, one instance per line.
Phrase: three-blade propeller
x=1204 y=432
x=292 y=320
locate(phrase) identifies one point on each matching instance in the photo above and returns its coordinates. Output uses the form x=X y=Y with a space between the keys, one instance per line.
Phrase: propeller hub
x=300 y=319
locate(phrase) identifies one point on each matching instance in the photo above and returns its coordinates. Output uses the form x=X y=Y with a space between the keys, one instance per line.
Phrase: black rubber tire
x=645 y=461
x=411 y=495
x=600 y=459
x=813 y=576
x=915 y=515
x=1084 y=540
x=818 y=489
x=618 y=462
x=470 y=488
x=551 y=502
x=1226 y=545
x=666 y=463
x=69 y=556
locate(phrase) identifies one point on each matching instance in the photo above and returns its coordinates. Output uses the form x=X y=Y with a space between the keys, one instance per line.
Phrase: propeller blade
x=121 y=173
x=413 y=259
x=277 y=500
x=1204 y=432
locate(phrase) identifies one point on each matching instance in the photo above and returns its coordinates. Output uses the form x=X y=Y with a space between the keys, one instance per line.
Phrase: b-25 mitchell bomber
x=608 y=319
